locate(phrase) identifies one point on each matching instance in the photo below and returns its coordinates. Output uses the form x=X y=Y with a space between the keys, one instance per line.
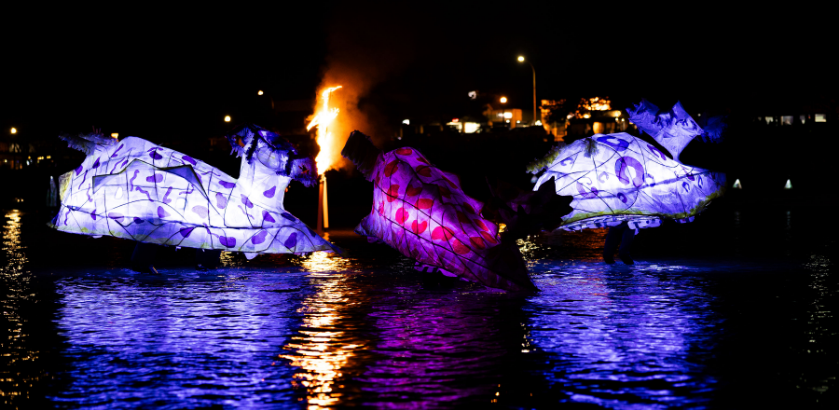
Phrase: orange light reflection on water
x=320 y=350
x=15 y=382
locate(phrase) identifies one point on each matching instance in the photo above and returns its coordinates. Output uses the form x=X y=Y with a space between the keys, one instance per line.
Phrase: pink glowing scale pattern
x=422 y=211
x=138 y=190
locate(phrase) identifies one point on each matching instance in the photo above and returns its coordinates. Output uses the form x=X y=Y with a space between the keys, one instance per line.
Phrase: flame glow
x=322 y=119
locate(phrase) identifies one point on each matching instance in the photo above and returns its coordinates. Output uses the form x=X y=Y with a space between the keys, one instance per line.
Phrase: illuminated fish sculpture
x=138 y=190
x=422 y=212
x=616 y=178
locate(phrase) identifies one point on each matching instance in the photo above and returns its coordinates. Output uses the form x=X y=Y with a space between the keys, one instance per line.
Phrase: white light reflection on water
x=820 y=330
x=321 y=348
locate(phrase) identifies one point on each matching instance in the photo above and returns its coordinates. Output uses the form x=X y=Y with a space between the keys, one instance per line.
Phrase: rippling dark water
x=734 y=310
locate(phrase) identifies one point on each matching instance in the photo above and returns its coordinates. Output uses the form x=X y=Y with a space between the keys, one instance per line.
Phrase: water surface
x=734 y=310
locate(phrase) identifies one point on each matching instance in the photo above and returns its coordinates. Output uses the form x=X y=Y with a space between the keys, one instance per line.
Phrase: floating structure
x=135 y=189
x=423 y=212
x=616 y=178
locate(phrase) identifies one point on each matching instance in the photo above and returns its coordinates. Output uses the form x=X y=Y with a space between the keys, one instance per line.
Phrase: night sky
x=167 y=72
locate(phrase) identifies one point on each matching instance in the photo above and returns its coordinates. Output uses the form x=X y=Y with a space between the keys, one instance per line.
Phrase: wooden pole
x=325 y=205
x=320 y=205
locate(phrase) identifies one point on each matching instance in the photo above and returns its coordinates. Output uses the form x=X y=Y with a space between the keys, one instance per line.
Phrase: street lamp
x=503 y=100
x=521 y=60
x=270 y=98
x=15 y=161
x=226 y=118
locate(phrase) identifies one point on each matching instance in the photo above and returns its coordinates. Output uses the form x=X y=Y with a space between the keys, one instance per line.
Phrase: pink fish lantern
x=422 y=212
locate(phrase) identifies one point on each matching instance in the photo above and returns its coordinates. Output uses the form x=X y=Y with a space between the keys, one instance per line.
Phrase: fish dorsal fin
x=672 y=129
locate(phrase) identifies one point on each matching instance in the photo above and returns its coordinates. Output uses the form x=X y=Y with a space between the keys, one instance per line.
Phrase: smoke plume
x=364 y=48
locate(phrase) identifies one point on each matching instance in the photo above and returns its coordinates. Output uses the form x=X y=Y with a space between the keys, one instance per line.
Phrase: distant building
x=17 y=155
x=504 y=118
x=569 y=121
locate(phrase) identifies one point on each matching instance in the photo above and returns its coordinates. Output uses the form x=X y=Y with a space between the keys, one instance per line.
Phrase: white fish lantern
x=138 y=190
x=616 y=178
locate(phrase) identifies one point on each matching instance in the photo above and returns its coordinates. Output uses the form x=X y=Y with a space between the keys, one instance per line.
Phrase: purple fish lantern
x=422 y=212
x=616 y=178
x=135 y=189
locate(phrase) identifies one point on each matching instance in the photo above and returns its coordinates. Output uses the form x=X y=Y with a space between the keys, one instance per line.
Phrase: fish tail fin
x=87 y=143
x=526 y=212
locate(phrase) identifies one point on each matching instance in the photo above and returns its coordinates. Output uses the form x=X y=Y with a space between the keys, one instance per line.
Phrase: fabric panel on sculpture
x=422 y=212
x=618 y=177
x=138 y=190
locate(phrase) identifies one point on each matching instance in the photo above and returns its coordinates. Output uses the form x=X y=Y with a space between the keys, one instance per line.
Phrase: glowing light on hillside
x=600 y=104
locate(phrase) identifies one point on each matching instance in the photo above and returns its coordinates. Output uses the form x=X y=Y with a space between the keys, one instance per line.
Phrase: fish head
x=303 y=170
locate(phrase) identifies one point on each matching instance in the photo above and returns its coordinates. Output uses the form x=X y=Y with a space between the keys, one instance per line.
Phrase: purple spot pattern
x=166 y=199
x=131 y=182
x=221 y=201
x=266 y=216
x=114 y=155
x=291 y=241
x=227 y=241
x=136 y=188
x=259 y=237
x=270 y=193
x=84 y=178
x=201 y=211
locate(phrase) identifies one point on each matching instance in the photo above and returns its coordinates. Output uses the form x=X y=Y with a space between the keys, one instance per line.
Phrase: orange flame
x=322 y=119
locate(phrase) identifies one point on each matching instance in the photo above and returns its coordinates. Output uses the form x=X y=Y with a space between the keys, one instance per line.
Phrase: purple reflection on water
x=177 y=340
x=435 y=351
x=622 y=337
